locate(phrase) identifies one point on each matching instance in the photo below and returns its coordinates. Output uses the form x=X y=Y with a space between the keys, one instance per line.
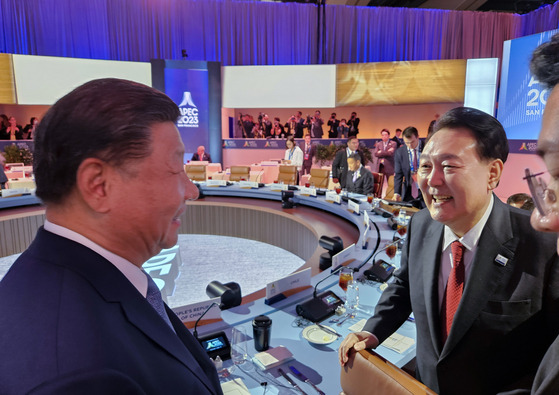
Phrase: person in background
x=315 y=125
x=293 y=155
x=384 y=152
x=4 y=123
x=359 y=179
x=266 y=125
x=277 y=130
x=431 y=126
x=3 y=177
x=201 y=155
x=309 y=152
x=545 y=67
x=343 y=129
x=339 y=165
x=398 y=138
x=104 y=326
x=248 y=125
x=482 y=284
x=353 y=125
x=299 y=125
x=522 y=201
x=13 y=131
x=406 y=164
x=289 y=126
x=333 y=123
x=29 y=130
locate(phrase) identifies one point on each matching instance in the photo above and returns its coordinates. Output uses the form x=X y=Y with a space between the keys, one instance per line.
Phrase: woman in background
x=293 y=155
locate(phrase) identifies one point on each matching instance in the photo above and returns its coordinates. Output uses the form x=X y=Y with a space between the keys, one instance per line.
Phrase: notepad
x=235 y=387
x=398 y=343
x=272 y=357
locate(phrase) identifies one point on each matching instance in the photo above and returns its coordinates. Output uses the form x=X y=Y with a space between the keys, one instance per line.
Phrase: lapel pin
x=501 y=260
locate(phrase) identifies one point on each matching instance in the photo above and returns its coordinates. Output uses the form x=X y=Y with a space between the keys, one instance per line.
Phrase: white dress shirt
x=470 y=240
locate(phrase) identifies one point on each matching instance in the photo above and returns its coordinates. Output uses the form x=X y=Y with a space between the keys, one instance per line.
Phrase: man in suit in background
x=201 y=155
x=545 y=216
x=79 y=315
x=353 y=124
x=299 y=125
x=406 y=163
x=384 y=152
x=359 y=179
x=339 y=165
x=309 y=152
x=398 y=138
x=482 y=284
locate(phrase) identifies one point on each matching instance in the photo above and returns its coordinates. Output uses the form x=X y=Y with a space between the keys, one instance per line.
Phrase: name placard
x=333 y=197
x=248 y=184
x=342 y=256
x=307 y=191
x=353 y=206
x=293 y=281
x=6 y=193
x=191 y=312
x=279 y=187
x=216 y=183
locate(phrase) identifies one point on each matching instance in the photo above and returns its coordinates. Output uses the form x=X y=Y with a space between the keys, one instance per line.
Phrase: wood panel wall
x=7 y=81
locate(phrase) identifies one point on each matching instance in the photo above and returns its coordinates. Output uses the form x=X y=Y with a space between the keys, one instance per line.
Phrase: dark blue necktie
x=156 y=301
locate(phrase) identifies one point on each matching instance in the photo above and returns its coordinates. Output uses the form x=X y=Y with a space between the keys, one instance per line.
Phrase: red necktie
x=454 y=288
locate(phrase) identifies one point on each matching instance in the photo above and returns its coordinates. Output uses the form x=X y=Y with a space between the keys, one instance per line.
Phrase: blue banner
x=189 y=89
x=522 y=98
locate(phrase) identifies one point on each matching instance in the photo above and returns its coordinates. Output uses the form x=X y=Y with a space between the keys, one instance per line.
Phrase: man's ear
x=495 y=171
x=91 y=183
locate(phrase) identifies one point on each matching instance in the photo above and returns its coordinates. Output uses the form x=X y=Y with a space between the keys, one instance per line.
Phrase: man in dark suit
x=406 y=163
x=339 y=165
x=201 y=155
x=353 y=124
x=79 y=316
x=545 y=216
x=384 y=152
x=359 y=179
x=309 y=152
x=482 y=284
x=398 y=138
x=299 y=125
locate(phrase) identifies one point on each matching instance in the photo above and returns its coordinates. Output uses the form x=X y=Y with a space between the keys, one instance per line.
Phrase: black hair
x=490 y=135
x=109 y=119
x=545 y=62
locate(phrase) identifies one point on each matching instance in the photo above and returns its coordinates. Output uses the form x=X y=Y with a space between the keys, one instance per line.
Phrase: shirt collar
x=132 y=272
x=471 y=238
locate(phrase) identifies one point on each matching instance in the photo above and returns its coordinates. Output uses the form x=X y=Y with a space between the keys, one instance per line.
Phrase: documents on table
x=395 y=342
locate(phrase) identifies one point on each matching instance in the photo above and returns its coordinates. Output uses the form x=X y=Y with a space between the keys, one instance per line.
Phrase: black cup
x=261 y=328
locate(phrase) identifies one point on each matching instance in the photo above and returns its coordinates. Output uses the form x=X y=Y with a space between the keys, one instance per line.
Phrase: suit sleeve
x=368 y=183
x=398 y=173
x=394 y=306
x=336 y=165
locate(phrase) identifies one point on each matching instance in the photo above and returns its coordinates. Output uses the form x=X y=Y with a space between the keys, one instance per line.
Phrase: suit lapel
x=485 y=274
x=114 y=287
x=430 y=257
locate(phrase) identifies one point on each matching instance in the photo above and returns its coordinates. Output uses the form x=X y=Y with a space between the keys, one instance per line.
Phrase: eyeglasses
x=543 y=197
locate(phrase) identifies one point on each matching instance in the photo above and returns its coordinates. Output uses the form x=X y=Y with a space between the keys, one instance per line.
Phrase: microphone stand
x=198 y=320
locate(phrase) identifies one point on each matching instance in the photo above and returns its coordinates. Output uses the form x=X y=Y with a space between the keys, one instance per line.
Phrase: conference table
x=318 y=362
x=257 y=214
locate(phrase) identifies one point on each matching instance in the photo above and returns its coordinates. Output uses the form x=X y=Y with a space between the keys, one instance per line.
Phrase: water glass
x=352 y=297
x=239 y=353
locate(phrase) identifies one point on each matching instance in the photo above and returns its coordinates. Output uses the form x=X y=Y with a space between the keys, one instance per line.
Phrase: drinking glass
x=346 y=277
x=352 y=297
x=239 y=353
x=391 y=251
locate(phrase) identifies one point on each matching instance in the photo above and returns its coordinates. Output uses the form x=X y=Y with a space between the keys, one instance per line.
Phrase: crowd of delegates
x=11 y=130
x=266 y=128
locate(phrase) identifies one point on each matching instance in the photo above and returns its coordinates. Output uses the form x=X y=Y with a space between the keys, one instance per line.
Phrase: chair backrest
x=288 y=175
x=14 y=174
x=196 y=172
x=366 y=370
x=240 y=172
x=377 y=189
x=320 y=177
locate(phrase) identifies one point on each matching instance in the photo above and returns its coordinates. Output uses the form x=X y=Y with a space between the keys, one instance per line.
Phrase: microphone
x=379 y=251
x=199 y=318
x=335 y=271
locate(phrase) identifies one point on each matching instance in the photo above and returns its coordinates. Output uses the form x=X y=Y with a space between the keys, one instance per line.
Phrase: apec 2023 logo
x=189 y=112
